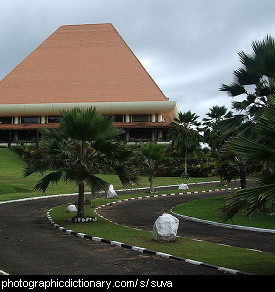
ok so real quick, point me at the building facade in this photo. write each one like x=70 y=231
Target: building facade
x=83 y=66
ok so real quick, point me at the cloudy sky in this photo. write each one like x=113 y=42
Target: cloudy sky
x=188 y=47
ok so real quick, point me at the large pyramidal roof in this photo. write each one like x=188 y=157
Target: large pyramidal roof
x=80 y=63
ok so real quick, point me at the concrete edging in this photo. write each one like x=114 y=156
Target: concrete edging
x=144 y=250
x=141 y=249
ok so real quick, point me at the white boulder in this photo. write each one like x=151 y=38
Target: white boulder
x=183 y=187
x=71 y=208
x=111 y=192
x=166 y=227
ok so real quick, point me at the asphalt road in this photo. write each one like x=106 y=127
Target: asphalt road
x=147 y=210
x=31 y=246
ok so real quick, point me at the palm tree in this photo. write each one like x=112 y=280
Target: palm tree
x=255 y=79
x=261 y=149
x=80 y=148
x=258 y=70
x=184 y=134
x=220 y=127
x=212 y=134
x=150 y=157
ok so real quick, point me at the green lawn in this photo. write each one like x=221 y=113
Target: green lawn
x=207 y=209
x=14 y=186
x=230 y=257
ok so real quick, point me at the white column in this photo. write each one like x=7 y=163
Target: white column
x=160 y=118
x=153 y=118
x=16 y=120
x=127 y=118
x=43 y=120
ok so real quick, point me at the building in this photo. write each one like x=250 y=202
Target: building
x=83 y=65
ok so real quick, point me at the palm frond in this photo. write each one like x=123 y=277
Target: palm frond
x=245 y=77
x=127 y=175
x=41 y=168
x=234 y=89
x=252 y=149
x=53 y=177
x=247 y=201
x=97 y=184
x=264 y=54
x=87 y=125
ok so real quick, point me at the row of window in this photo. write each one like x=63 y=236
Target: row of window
x=132 y=118
x=30 y=120
x=57 y=119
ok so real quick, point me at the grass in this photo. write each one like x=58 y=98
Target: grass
x=14 y=186
x=230 y=257
x=207 y=209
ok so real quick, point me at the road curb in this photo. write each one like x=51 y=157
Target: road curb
x=141 y=249
x=231 y=226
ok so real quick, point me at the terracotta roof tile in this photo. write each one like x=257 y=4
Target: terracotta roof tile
x=80 y=63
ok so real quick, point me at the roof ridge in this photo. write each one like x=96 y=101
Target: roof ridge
x=82 y=24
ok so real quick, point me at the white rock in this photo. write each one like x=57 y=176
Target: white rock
x=165 y=227
x=71 y=208
x=111 y=192
x=183 y=187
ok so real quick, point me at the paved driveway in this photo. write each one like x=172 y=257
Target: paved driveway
x=31 y=246
x=147 y=210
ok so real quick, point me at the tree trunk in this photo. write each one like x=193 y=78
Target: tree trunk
x=243 y=179
x=185 y=162
x=81 y=187
x=81 y=199
x=151 y=184
x=272 y=209
x=221 y=180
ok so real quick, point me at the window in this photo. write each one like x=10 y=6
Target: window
x=117 y=118
x=54 y=119
x=140 y=118
x=31 y=120
x=6 y=120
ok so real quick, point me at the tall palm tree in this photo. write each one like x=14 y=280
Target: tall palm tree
x=212 y=134
x=261 y=149
x=258 y=70
x=219 y=127
x=184 y=134
x=255 y=80
x=215 y=115
x=80 y=148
